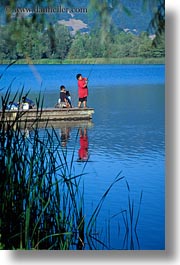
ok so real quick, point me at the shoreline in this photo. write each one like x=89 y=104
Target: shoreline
x=136 y=60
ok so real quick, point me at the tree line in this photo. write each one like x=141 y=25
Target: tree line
x=22 y=39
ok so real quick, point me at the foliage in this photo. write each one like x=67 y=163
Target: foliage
x=22 y=40
x=36 y=43
x=34 y=37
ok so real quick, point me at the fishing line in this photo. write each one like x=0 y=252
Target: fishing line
x=92 y=68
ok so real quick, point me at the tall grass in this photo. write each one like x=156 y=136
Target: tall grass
x=41 y=205
x=41 y=196
x=125 y=225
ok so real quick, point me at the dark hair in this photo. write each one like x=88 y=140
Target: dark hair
x=61 y=87
x=78 y=75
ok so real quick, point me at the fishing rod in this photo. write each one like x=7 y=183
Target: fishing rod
x=91 y=68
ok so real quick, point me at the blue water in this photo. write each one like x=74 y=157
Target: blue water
x=38 y=77
x=127 y=136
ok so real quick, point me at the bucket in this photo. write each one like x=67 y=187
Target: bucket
x=25 y=106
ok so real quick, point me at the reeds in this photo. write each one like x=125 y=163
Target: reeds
x=41 y=205
x=41 y=196
x=125 y=225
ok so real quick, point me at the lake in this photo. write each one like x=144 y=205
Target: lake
x=126 y=137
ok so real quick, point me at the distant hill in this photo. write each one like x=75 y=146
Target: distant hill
x=137 y=20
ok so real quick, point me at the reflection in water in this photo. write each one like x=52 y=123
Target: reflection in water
x=65 y=135
x=83 y=150
x=83 y=154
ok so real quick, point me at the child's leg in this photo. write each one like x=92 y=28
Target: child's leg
x=79 y=104
x=85 y=104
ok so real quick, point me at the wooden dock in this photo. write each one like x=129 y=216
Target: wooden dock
x=48 y=114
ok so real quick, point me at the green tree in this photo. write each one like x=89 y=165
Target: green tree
x=8 y=44
x=63 y=41
x=28 y=39
x=93 y=44
x=77 y=49
x=122 y=45
x=158 y=50
x=145 y=46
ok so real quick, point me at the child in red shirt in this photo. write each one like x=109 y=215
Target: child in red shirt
x=82 y=90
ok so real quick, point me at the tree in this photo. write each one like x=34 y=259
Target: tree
x=77 y=49
x=63 y=41
x=145 y=46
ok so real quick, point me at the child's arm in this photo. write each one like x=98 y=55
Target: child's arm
x=85 y=81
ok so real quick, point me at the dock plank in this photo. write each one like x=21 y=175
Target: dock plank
x=51 y=114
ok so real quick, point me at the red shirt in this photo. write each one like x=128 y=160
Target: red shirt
x=83 y=150
x=82 y=91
